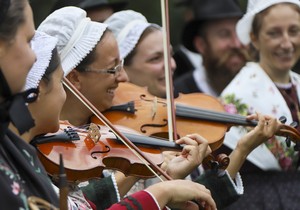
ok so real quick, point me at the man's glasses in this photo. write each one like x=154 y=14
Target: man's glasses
x=115 y=70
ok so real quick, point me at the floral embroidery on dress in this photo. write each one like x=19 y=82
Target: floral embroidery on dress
x=286 y=156
x=271 y=89
x=233 y=105
x=15 y=183
x=32 y=162
x=15 y=188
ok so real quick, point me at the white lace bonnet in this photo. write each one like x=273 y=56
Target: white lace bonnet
x=42 y=45
x=127 y=26
x=77 y=35
x=244 y=25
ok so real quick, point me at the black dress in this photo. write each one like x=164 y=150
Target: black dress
x=22 y=175
x=267 y=190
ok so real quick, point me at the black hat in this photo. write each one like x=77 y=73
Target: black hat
x=183 y=3
x=92 y=4
x=64 y=3
x=205 y=10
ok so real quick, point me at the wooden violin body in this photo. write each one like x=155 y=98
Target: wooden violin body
x=86 y=157
x=148 y=114
x=199 y=113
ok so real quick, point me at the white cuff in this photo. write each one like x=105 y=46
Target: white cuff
x=116 y=186
x=237 y=184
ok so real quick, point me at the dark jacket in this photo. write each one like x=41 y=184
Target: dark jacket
x=186 y=84
x=22 y=174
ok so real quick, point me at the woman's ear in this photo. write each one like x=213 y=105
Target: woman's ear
x=43 y=87
x=3 y=48
x=73 y=77
x=254 y=41
x=199 y=44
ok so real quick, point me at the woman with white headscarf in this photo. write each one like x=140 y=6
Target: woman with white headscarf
x=22 y=175
x=272 y=28
x=141 y=47
x=90 y=60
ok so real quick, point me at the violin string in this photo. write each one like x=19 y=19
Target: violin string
x=142 y=159
x=193 y=112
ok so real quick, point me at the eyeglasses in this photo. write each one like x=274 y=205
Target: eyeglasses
x=115 y=70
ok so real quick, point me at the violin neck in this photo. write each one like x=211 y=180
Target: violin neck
x=140 y=140
x=212 y=116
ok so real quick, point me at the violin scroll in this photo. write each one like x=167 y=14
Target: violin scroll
x=290 y=132
x=221 y=161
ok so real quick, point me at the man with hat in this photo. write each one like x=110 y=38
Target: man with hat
x=100 y=10
x=212 y=34
x=186 y=60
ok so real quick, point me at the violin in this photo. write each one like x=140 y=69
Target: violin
x=199 y=113
x=91 y=148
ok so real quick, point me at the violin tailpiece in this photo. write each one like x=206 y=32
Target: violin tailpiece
x=68 y=134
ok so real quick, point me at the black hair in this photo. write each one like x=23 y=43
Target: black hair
x=13 y=18
x=91 y=57
x=54 y=63
x=31 y=95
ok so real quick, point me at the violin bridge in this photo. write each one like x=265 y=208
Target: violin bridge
x=154 y=108
x=94 y=132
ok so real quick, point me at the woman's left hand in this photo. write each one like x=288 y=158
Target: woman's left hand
x=266 y=128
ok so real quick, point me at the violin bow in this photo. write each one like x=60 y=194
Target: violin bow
x=168 y=72
x=63 y=185
x=153 y=168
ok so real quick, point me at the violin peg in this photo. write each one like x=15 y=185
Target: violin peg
x=282 y=119
x=214 y=165
x=297 y=147
x=294 y=124
x=223 y=161
x=288 y=141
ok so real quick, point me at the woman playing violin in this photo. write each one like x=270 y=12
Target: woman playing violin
x=272 y=29
x=47 y=75
x=97 y=70
x=108 y=42
x=143 y=61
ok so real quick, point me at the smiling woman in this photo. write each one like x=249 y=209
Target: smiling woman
x=21 y=173
x=272 y=28
x=89 y=45
x=141 y=47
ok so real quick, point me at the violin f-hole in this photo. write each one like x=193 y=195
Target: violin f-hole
x=143 y=128
x=93 y=154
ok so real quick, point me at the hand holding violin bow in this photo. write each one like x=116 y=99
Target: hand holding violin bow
x=180 y=164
